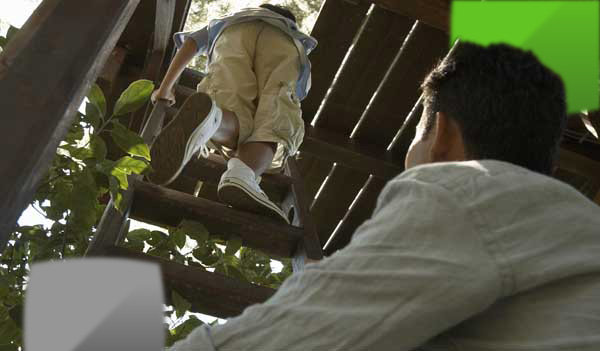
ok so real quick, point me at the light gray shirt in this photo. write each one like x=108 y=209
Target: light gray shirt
x=477 y=256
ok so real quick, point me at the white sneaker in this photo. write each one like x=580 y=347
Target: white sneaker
x=193 y=126
x=239 y=188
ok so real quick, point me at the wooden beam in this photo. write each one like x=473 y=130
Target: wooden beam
x=576 y=163
x=163 y=206
x=332 y=147
x=44 y=76
x=435 y=13
x=209 y=293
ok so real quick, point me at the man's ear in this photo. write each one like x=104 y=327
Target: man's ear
x=447 y=143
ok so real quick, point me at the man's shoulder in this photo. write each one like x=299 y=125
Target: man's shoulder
x=483 y=175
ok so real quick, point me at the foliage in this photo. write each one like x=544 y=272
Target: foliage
x=73 y=195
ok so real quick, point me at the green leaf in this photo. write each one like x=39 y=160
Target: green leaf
x=178 y=238
x=140 y=234
x=96 y=97
x=79 y=153
x=121 y=177
x=187 y=327
x=129 y=141
x=233 y=245
x=130 y=165
x=3 y=42
x=115 y=192
x=234 y=272
x=134 y=97
x=194 y=230
x=180 y=304
x=11 y=33
x=98 y=148
x=92 y=115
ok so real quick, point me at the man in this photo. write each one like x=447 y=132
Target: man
x=248 y=104
x=473 y=247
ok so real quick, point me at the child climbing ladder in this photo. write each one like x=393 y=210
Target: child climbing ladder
x=248 y=105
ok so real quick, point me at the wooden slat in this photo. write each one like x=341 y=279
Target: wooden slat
x=362 y=157
x=209 y=293
x=310 y=246
x=336 y=26
x=379 y=40
x=400 y=90
x=435 y=13
x=580 y=164
x=405 y=135
x=360 y=212
x=74 y=38
x=155 y=204
x=313 y=171
x=333 y=202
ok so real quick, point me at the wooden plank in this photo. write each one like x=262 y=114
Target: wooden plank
x=333 y=202
x=399 y=91
x=309 y=246
x=75 y=38
x=337 y=24
x=579 y=164
x=163 y=25
x=313 y=172
x=209 y=293
x=359 y=156
x=435 y=13
x=163 y=206
x=378 y=42
x=360 y=211
x=406 y=134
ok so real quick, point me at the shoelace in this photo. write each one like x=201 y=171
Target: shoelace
x=204 y=151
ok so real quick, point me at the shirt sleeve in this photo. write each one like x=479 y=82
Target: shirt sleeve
x=199 y=36
x=415 y=269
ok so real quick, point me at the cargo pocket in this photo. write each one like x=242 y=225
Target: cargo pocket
x=289 y=125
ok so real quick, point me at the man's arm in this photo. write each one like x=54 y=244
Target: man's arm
x=418 y=267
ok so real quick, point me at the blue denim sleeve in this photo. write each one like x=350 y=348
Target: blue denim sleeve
x=199 y=36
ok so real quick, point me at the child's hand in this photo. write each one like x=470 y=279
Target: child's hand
x=161 y=94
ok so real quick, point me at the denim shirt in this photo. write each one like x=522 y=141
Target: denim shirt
x=457 y=256
x=206 y=38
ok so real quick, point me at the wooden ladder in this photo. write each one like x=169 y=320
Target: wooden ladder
x=210 y=293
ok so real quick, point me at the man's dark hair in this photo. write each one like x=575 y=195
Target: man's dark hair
x=284 y=11
x=508 y=106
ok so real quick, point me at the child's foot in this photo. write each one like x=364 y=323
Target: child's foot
x=239 y=188
x=193 y=126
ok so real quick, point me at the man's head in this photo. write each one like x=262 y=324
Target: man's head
x=284 y=11
x=496 y=102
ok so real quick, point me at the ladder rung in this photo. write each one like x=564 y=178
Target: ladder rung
x=163 y=206
x=209 y=293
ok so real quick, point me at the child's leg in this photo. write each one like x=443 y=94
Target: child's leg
x=277 y=120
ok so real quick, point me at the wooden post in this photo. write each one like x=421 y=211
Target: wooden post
x=44 y=75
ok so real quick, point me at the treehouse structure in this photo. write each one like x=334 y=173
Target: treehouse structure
x=360 y=118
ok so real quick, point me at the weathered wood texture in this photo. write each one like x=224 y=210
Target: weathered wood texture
x=74 y=38
x=361 y=210
x=162 y=206
x=359 y=156
x=399 y=90
x=378 y=41
x=209 y=293
x=310 y=245
x=435 y=13
x=335 y=37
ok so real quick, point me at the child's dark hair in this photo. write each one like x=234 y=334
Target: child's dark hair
x=284 y=11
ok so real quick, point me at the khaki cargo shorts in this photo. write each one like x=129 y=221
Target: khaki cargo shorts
x=253 y=72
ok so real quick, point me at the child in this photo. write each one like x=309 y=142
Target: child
x=248 y=104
